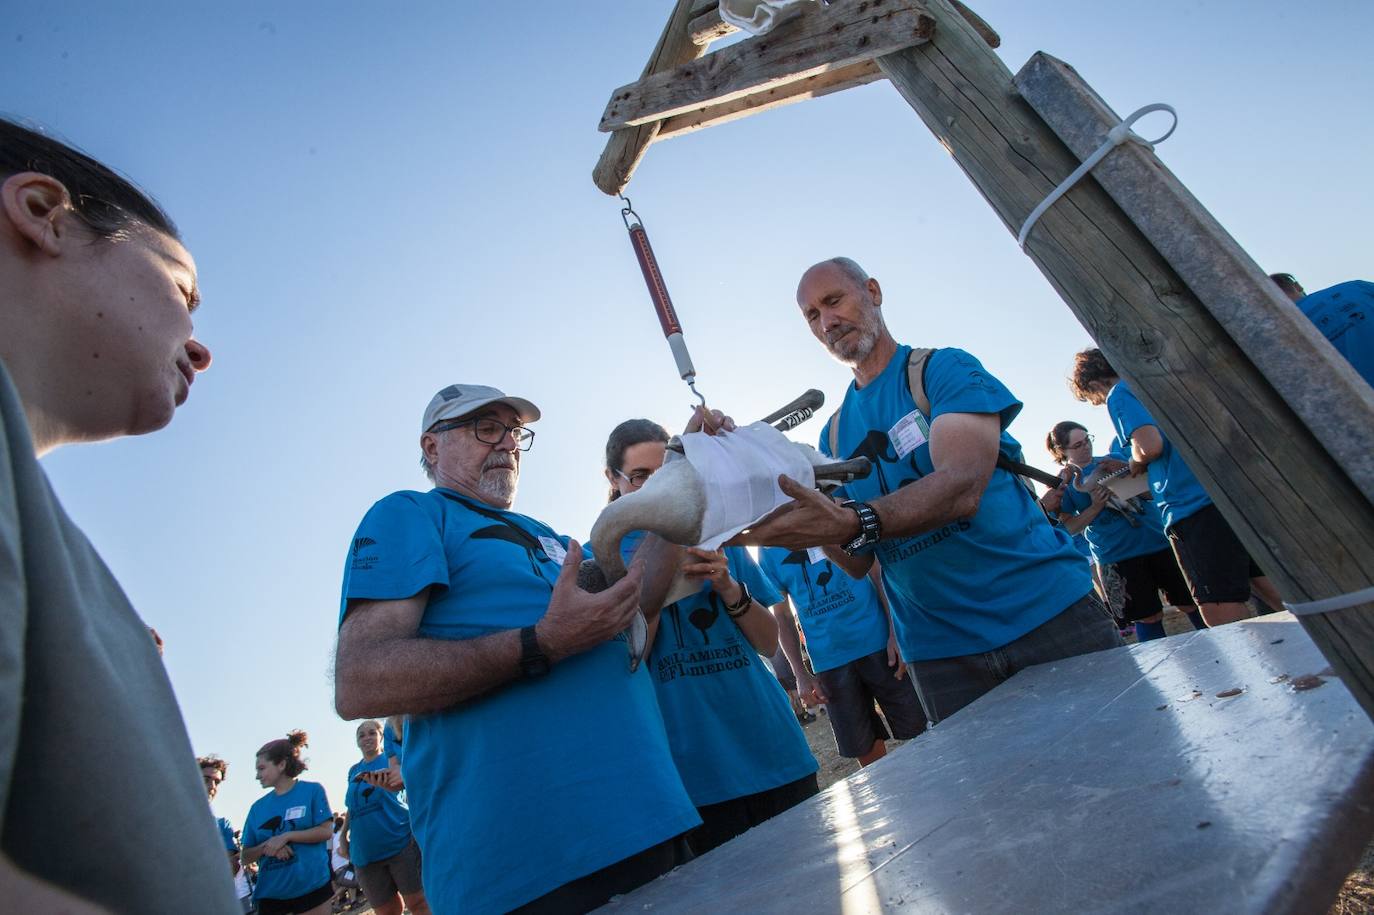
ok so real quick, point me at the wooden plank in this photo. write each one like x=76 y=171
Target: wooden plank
x=1006 y=807
x=1327 y=394
x=626 y=147
x=707 y=26
x=812 y=87
x=1293 y=505
x=1330 y=397
x=844 y=33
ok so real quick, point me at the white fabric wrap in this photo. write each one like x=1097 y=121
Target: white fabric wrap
x=759 y=17
x=739 y=471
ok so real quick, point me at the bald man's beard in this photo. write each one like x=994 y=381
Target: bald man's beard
x=853 y=347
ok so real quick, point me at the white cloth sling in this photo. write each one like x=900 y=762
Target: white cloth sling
x=739 y=471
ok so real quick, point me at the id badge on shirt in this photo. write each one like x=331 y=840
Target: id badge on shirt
x=815 y=554
x=909 y=433
x=553 y=549
x=294 y=813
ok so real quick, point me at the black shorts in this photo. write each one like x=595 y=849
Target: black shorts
x=1213 y=559
x=382 y=880
x=597 y=888
x=1145 y=576
x=850 y=691
x=722 y=822
x=299 y=904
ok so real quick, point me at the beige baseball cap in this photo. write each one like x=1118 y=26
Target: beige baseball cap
x=460 y=399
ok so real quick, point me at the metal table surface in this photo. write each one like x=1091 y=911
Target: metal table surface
x=1122 y=781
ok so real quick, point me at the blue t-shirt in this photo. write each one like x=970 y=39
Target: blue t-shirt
x=1080 y=543
x=1177 y=493
x=976 y=583
x=1344 y=313
x=226 y=834
x=841 y=616
x=518 y=791
x=378 y=823
x=1110 y=535
x=729 y=722
x=303 y=807
x=392 y=743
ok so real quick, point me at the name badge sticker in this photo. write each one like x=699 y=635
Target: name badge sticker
x=553 y=549
x=815 y=554
x=909 y=433
x=294 y=813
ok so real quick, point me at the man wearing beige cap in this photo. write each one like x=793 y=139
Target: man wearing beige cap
x=536 y=763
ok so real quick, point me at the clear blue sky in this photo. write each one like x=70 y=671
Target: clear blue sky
x=384 y=200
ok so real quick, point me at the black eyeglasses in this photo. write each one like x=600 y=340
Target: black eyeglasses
x=491 y=431
x=637 y=478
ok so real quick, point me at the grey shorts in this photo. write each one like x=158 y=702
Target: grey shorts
x=851 y=689
x=382 y=880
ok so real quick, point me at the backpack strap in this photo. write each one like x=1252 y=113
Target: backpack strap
x=916 y=377
x=834 y=430
x=916 y=380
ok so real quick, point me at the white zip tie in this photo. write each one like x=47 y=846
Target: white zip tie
x=1117 y=135
x=1326 y=605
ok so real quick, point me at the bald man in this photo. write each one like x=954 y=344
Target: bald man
x=981 y=584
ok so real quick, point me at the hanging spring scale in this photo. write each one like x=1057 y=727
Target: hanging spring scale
x=658 y=292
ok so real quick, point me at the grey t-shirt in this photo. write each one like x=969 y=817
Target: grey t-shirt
x=99 y=790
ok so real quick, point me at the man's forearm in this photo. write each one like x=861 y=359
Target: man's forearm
x=379 y=677
x=932 y=501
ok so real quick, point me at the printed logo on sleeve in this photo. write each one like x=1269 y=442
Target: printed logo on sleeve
x=909 y=433
x=363 y=563
x=553 y=549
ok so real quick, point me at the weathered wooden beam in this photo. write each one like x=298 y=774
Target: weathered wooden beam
x=844 y=33
x=1330 y=397
x=980 y=25
x=626 y=147
x=859 y=74
x=1293 y=505
x=706 y=25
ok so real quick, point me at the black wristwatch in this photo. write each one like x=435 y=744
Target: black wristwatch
x=741 y=606
x=870 y=528
x=533 y=662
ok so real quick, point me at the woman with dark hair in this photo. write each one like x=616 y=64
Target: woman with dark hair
x=376 y=834
x=738 y=747
x=96 y=295
x=1137 y=556
x=288 y=831
x=1221 y=575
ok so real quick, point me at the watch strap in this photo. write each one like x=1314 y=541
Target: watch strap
x=870 y=527
x=533 y=661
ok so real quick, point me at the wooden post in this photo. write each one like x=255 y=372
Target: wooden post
x=626 y=147
x=1296 y=508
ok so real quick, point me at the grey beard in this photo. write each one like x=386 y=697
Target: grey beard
x=858 y=351
x=499 y=487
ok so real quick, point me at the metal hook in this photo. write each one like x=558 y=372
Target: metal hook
x=627 y=211
x=693 y=385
